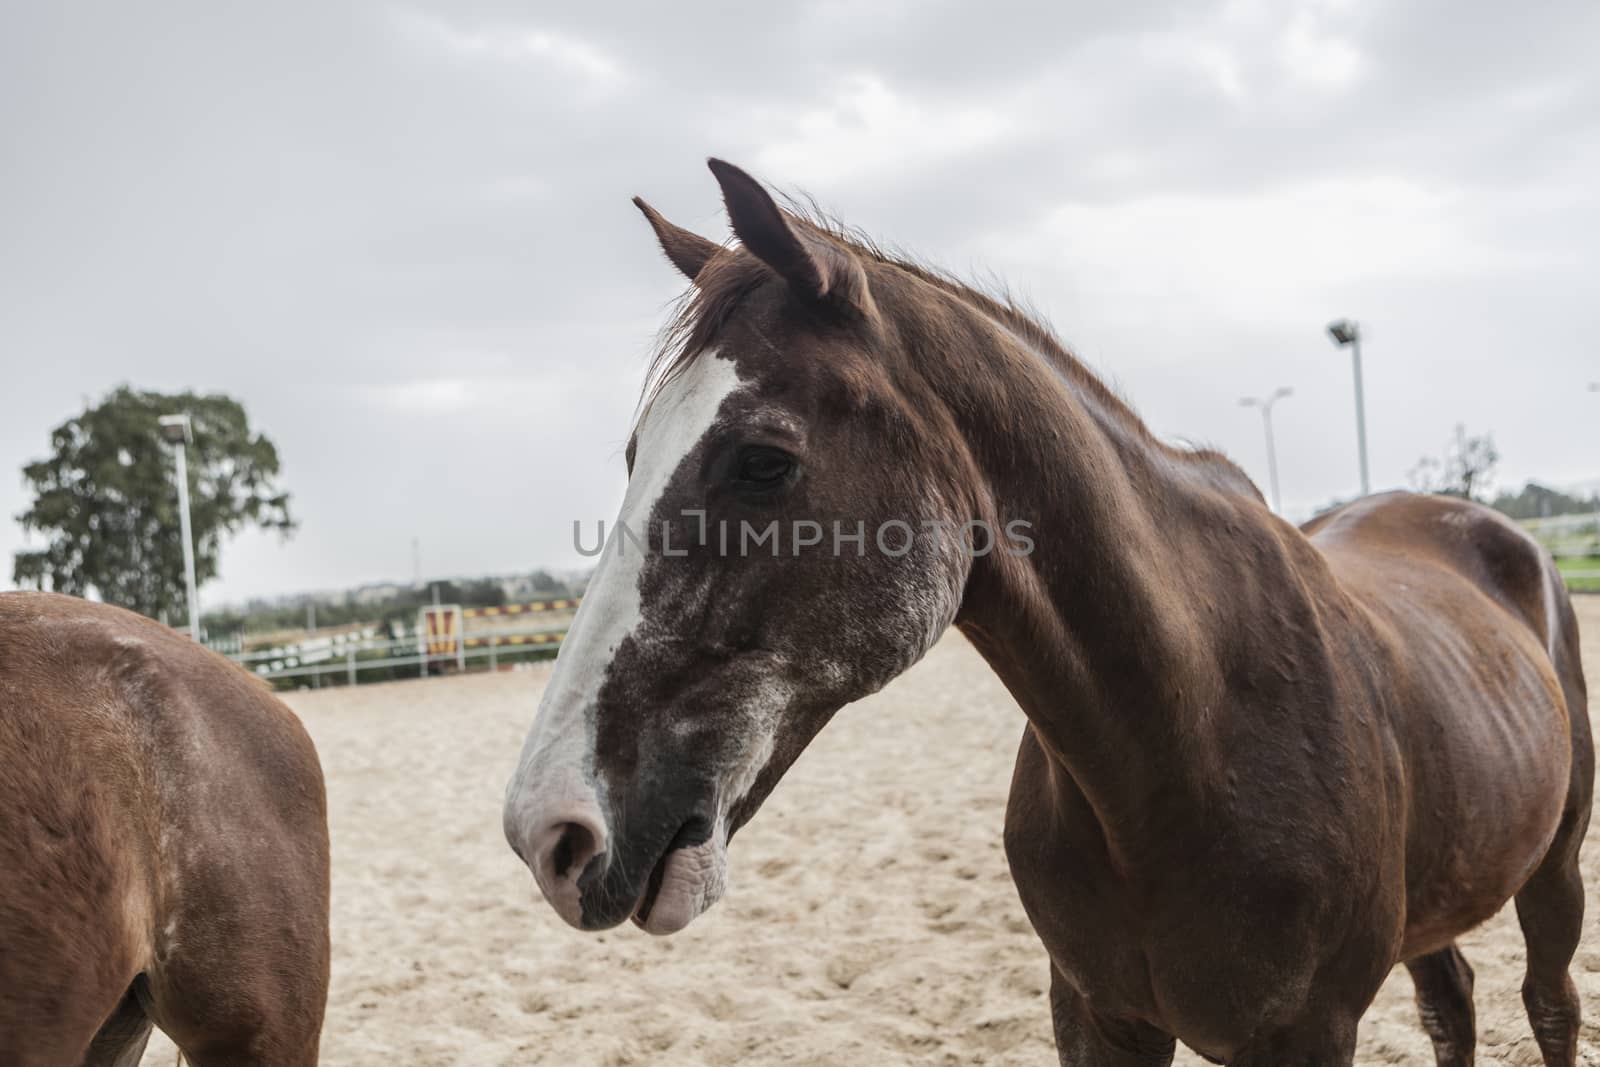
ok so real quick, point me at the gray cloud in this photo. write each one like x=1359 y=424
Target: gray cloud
x=401 y=232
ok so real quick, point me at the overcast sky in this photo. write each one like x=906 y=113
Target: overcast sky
x=400 y=232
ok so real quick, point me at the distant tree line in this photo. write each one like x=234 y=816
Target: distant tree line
x=1535 y=501
x=1466 y=469
x=345 y=608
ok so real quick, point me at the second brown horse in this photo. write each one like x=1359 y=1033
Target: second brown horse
x=163 y=849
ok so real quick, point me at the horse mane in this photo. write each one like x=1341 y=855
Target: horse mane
x=731 y=275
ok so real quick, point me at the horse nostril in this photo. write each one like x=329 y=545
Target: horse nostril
x=574 y=849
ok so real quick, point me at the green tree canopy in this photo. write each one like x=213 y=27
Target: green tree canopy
x=107 y=506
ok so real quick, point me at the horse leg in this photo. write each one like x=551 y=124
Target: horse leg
x=53 y=995
x=258 y=1004
x=262 y=1029
x=1443 y=981
x=1550 y=909
x=121 y=1039
x=1327 y=1041
x=1084 y=1039
x=269 y=1042
x=1550 y=905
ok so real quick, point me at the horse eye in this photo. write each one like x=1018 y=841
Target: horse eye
x=764 y=468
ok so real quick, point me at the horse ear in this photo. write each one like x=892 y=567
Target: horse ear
x=815 y=267
x=689 y=252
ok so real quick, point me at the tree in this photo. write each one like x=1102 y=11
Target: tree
x=1537 y=501
x=107 y=505
x=1466 y=469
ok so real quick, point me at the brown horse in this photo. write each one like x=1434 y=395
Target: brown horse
x=1263 y=764
x=163 y=849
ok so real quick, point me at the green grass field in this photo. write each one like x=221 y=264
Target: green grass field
x=1576 y=564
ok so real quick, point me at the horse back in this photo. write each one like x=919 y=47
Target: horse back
x=160 y=802
x=1473 y=663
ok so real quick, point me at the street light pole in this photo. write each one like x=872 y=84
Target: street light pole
x=1348 y=333
x=1266 y=424
x=176 y=430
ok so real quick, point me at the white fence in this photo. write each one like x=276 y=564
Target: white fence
x=348 y=655
x=1567 y=535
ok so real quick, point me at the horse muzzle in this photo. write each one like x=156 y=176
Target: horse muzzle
x=563 y=839
x=662 y=878
x=661 y=872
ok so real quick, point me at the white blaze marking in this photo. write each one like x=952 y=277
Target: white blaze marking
x=556 y=773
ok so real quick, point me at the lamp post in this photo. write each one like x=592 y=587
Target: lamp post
x=176 y=431
x=1594 y=387
x=1346 y=333
x=1265 y=404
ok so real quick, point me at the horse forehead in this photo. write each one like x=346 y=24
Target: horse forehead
x=675 y=420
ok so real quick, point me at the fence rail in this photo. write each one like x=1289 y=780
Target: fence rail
x=352 y=658
x=1567 y=535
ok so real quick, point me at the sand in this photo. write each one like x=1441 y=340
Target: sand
x=870 y=918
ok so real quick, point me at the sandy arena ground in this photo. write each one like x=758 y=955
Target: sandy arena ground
x=870 y=918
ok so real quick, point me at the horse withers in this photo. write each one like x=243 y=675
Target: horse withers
x=163 y=849
x=1262 y=766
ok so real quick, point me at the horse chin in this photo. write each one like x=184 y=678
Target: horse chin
x=685 y=883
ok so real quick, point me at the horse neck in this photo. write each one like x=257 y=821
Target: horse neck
x=1110 y=633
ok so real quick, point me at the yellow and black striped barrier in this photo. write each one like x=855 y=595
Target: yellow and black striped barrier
x=522 y=609
x=516 y=639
